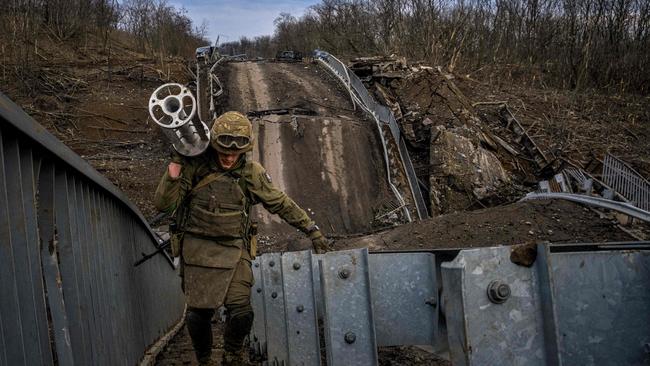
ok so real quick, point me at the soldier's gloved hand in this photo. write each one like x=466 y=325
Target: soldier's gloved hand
x=319 y=242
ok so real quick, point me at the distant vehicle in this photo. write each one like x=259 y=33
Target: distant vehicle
x=204 y=52
x=290 y=56
x=207 y=54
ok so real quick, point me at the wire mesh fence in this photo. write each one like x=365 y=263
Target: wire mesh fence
x=626 y=181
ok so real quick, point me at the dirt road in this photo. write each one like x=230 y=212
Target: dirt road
x=330 y=163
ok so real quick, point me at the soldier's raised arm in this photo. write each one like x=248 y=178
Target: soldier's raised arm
x=277 y=202
x=174 y=185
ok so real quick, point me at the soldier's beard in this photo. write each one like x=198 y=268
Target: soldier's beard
x=228 y=161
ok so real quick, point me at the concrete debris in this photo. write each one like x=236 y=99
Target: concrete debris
x=468 y=158
x=464 y=170
x=474 y=154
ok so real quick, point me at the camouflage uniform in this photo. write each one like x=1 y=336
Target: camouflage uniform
x=215 y=242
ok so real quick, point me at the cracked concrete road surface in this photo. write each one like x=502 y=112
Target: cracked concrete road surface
x=331 y=163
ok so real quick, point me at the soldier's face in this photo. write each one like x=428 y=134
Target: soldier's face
x=227 y=161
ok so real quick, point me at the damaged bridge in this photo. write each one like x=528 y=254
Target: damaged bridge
x=70 y=294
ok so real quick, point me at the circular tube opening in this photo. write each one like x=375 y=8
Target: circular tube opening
x=172 y=105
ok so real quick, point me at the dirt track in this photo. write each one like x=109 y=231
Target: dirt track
x=330 y=163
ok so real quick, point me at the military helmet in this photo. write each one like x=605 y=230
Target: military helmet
x=232 y=133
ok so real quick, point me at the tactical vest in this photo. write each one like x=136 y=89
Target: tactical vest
x=218 y=208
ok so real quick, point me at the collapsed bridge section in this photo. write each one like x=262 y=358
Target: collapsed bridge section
x=318 y=147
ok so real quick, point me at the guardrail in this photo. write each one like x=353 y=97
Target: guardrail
x=382 y=115
x=69 y=293
x=550 y=304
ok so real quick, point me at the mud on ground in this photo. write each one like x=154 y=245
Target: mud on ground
x=518 y=223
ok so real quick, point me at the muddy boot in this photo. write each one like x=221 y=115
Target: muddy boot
x=237 y=328
x=200 y=329
x=206 y=361
x=233 y=359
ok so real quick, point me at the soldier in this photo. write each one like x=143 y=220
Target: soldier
x=211 y=196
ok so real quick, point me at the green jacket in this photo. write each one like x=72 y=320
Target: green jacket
x=208 y=269
x=172 y=192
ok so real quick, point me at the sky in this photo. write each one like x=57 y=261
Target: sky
x=231 y=19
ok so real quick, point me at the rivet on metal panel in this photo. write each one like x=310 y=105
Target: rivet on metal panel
x=271 y=263
x=257 y=265
x=274 y=294
x=350 y=337
x=296 y=266
x=432 y=302
x=344 y=273
x=259 y=290
x=300 y=308
x=498 y=292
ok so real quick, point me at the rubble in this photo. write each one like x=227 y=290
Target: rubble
x=464 y=170
x=476 y=154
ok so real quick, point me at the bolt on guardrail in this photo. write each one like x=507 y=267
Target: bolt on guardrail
x=474 y=306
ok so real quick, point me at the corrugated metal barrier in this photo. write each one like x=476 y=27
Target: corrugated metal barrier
x=69 y=293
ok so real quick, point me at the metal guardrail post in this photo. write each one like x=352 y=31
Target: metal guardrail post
x=277 y=349
x=476 y=327
x=349 y=323
x=300 y=309
x=257 y=337
x=574 y=306
x=285 y=329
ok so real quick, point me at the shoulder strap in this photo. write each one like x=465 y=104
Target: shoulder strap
x=243 y=186
x=216 y=175
x=207 y=180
